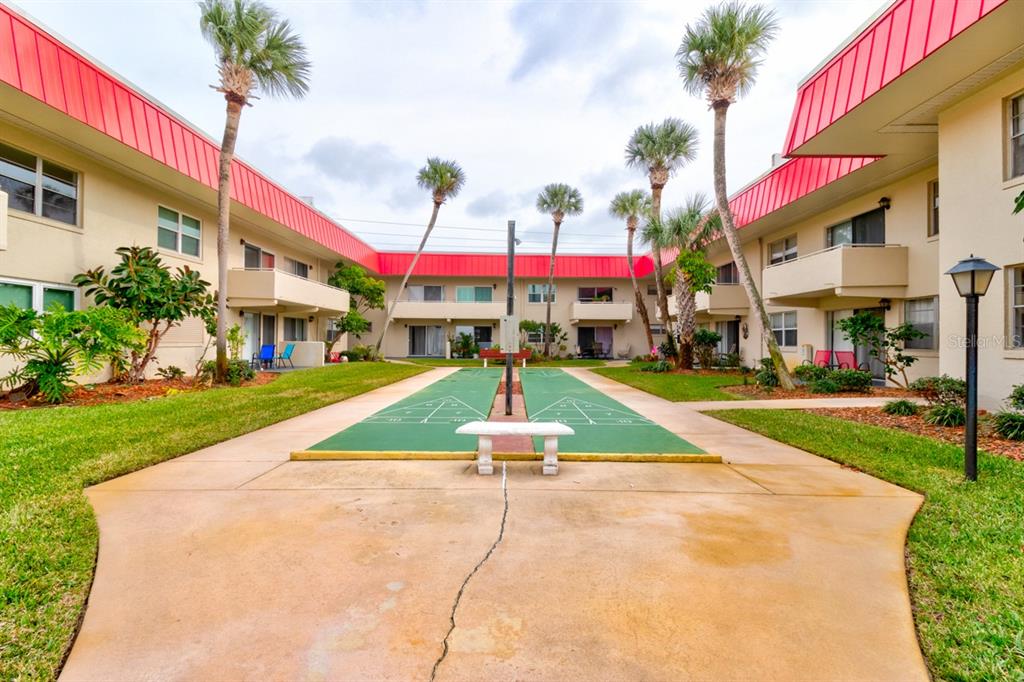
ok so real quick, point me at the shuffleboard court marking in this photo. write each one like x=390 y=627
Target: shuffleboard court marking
x=455 y=412
x=575 y=411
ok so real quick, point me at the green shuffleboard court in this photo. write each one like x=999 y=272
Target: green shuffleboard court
x=601 y=423
x=426 y=420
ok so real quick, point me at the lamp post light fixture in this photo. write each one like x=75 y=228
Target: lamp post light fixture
x=972 y=276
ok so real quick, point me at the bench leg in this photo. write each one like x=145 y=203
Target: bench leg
x=484 y=464
x=550 y=455
x=485 y=363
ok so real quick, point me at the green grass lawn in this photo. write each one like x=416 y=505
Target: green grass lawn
x=965 y=547
x=49 y=534
x=458 y=362
x=675 y=387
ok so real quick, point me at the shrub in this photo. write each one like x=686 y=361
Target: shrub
x=1016 y=398
x=808 y=373
x=705 y=341
x=851 y=380
x=766 y=376
x=942 y=390
x=171 y=373
x=730 y=360
x=659 y=366
x=900 y=408
x=238 y=371
x=52 y=347
x=364 y=352
x=946 y=414
x=1009 y=425
x=351 y=355
x=236 y=337
x=824 y=385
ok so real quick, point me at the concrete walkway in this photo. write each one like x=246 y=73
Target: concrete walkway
x=234 y=563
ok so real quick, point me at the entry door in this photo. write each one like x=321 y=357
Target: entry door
x=269 y=331
x=730 y=333
x=251 y=326
x=426 y=341
x=585 y=338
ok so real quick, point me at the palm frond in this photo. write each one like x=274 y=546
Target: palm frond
x=691 y=226
x=666 y=146
x=558 y=197
x=443 y=178
x=634 y=204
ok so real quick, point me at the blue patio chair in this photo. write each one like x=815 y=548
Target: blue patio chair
x=286 y=356
x=265 y=358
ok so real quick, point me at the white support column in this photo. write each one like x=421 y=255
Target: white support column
x=550 y=455
x=484 y=463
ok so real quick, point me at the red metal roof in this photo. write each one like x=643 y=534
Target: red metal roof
x=894 y=43
x=529 y=265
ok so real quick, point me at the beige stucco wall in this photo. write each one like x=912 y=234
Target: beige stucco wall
x=976 y=216
x=118 y=208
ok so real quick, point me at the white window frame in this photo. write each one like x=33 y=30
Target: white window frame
x=788 y=253
x=535 y=337
x=541 y=292
x=652 y=289
x=284 y=327
x=934 y=219
x=38 y=289
x=1014 y=340
x=423 y=292
x=933 y=338
x=37 y=200
x=777 y=322
x=291 y=263
x=657 y=329
x=473 y=287
x=1010 y=136
x=177 y=250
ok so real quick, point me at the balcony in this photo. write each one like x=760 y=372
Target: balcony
x=283 y=292
x=868 y=271
x=727 y=300
x=603 y=311
x=449 y=310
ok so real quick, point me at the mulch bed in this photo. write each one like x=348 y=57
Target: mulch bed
x=916 y=424
x=755 y=392
x=517 y=388
x=99 y=394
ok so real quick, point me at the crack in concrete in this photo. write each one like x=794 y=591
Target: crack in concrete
x=462 y=589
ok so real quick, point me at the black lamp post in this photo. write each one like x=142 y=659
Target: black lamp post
x=972 y=277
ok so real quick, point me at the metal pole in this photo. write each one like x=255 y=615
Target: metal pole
x=971 y=427
x=509 y=310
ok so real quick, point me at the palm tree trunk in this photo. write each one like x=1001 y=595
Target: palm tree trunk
x=659 y=273
x=641 y=305
x=548 y=294
x=686 y=302
x=227 y=152
x=729 y=230
x=408 y=274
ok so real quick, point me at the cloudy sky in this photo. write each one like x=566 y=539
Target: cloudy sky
x=519 y=93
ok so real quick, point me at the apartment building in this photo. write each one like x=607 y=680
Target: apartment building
x=928 y=94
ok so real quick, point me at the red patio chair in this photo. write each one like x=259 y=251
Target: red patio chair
x=846 y=359
x=823 y=358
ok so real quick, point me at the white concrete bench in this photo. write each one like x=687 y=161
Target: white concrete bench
x=487 y=430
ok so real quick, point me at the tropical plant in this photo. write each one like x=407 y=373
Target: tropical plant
x=464 y=346
x=661 y=149
x=443 y=179
x=238 y=371
x=1009 y=425
x=885 y=344
x=808 y=372
x=171 y=373
x=767 y=376
x=1018 y=203
x=365 y=294
x=705 y=342
x=52 y=347
x=941 y=390
x=257 y=52
x=718 y=59
x=236 y=341
x=151 y=295
x=559 y=200
x=631 y=207
x=946 y=414
x=900 y=408
x=658 y=367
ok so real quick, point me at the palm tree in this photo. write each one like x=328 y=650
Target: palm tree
x=631 y=206
x=256 y=52
x=661 y=149
x=559 y=200
x=443 y=179
x=718 y=58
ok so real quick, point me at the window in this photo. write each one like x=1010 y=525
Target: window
x=258 y=259
x=535 y=337
x=866 y=228
x=1016 y=307
x=594 y=294
x=296 y=268
x=481 y=334
x=728 y=274
x=921 y=313
x=177 y=232
x=427 y=292
x=473 y=294
x=538 y=293
x=1015 y=157
x=782 y=250
x=933 y=208
x=784 y=327
x=294 y=329
x=37 y=295
x=657 y=330
x=652 y=289
x=37 y=186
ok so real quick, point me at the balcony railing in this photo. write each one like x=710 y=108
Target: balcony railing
x=851 y=270
x=611 y=311
x=264 y=288
x=449 y=310
x=724 y=299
